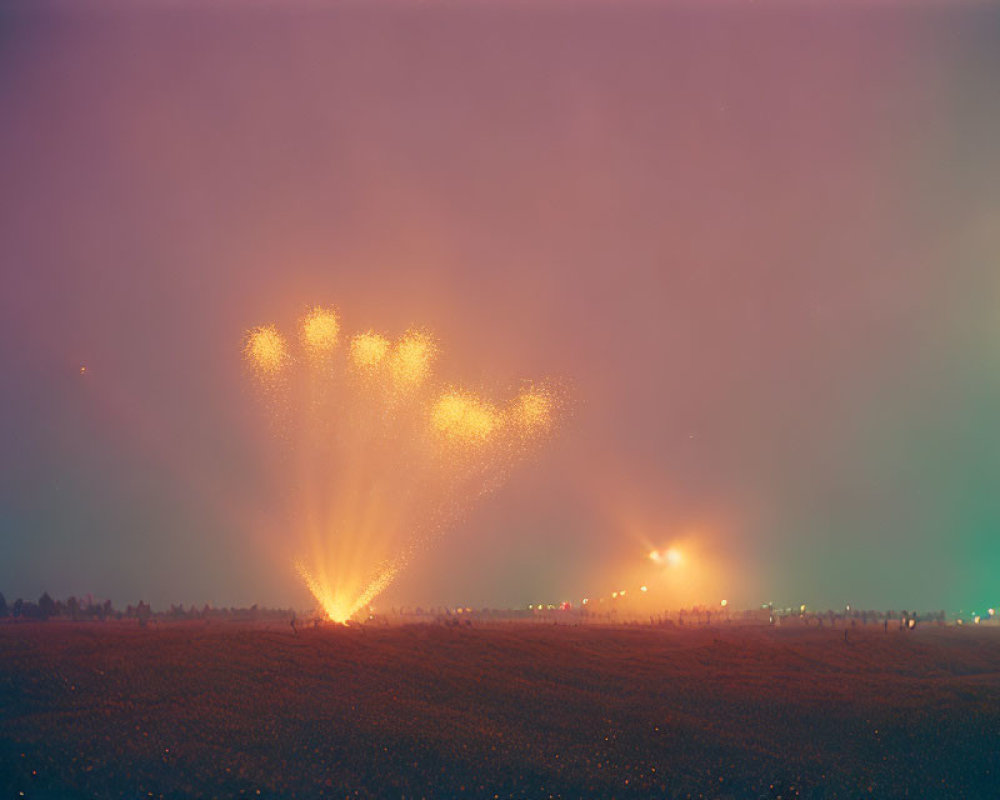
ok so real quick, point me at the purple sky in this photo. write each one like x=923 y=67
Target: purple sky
x=761 y=242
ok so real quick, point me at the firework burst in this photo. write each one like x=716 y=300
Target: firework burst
x=385 y=459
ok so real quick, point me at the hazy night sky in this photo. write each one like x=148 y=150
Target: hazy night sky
x=761 y=241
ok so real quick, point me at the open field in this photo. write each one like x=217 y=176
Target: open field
x=196 y=709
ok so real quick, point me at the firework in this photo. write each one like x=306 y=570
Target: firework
x=532 y=411
x=320 y=331
x=368 y=350
x=265 y=351
x=464 y=418
x=412 y=358
x=383 y=459
x=340 y=606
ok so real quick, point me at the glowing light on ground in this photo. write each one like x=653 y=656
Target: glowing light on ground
x=384 y=460
x=680 y=573
x=337 y=605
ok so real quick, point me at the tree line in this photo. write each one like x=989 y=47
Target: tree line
x=88 y=609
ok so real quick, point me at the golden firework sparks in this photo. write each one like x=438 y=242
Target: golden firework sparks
x=532 y=410
x=341 y=606
x=368 y=350
x=371 y=479
x=323 y=595
x=411 y=358
x=320 y=331
x=265 y=350
x=463 y=417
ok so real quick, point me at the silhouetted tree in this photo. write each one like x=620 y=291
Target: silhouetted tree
x=73 y=606
x=18 y=607
x=3 y=605
x=30 y=610
x=46 y=606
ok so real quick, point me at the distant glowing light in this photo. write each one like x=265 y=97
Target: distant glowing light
x=320 y=331
x=83 y=369
x=265 y=350
x=672 y=556
x=724 y=603
x=585 y=601
x=802 y=608
x=976 y=619
x=621 y=592
x=643 y=589
x=992 y=611
x=614 y=595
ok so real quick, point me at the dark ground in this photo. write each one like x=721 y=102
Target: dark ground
x=202 y=710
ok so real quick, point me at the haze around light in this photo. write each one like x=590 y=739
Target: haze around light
x=760 y=242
